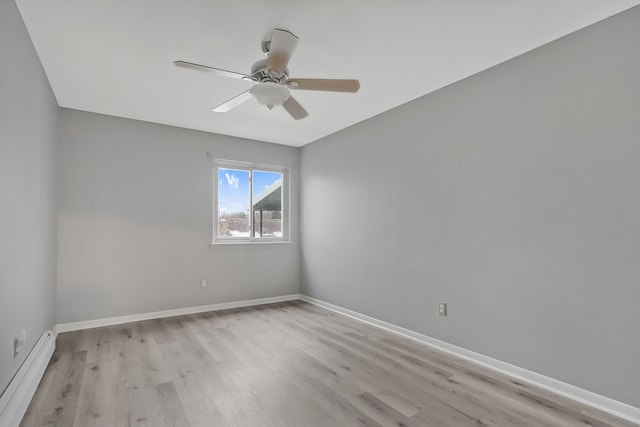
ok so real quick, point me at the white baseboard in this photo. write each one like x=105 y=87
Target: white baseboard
x=109 y=321
x=16 y=398
x=589 y=398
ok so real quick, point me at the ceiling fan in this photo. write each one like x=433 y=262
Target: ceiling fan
x=271 y=78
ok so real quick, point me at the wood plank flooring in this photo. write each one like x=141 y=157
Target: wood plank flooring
x=285 y=364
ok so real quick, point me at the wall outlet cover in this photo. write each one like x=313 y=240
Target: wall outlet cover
x=19 y=340
x=442 y=309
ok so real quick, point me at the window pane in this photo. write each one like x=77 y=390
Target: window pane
x=267 y=204
x=233 y=203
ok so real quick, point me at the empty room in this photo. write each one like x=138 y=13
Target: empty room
x=273 y=213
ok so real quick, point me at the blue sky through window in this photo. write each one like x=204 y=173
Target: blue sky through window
x=233 y=188
x=233 y=191
x=262 y=180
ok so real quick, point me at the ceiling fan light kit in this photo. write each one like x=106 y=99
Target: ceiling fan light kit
x=270 y=94
x=271 y=78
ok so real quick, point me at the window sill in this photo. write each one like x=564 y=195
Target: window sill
x=251 y=243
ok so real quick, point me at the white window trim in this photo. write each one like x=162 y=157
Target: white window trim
x=286 y=204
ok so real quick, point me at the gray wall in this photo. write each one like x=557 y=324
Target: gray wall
x=513 y=196
x=135 y=220
x=28 y=116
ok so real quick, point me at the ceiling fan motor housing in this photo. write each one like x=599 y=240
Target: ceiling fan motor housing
x=260 y=73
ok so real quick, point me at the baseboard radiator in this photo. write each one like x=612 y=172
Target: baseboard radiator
x=16 y=398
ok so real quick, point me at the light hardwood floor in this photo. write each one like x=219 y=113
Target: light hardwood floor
x=286 y=364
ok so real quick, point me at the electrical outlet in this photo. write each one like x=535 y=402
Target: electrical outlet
x=442 y=309
x=18 y=341
x=203 y=283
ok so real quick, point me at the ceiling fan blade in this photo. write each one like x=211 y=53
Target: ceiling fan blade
x=333 y=85
x=233 y=102
x=218 y=71
x=283 y=43
x=294 y=108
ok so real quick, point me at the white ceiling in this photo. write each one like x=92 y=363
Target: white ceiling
x=115 y=57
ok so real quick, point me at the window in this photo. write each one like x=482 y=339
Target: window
x=250 y=203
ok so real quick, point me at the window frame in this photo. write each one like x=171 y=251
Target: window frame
x=251 y=168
